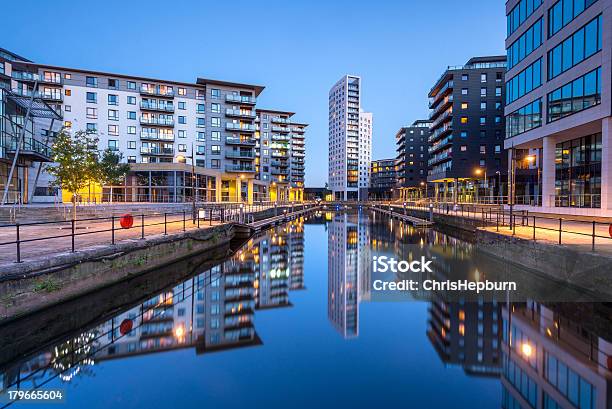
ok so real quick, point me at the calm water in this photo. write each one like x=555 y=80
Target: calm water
x=291 y=321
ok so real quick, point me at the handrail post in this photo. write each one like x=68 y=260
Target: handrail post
x=183 y=220
x=112 y=229
x=18 y=243
x=534 y=228
x=593 y=237
x=165 y=224
x=73 y=222
x=560 y=227
x=142 y=226
x=497 y=228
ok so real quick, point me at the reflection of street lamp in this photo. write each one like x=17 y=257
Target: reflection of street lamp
x=526 y=349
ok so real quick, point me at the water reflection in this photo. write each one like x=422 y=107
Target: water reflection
x=530 y=354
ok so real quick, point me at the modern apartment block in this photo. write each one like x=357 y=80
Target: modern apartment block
x=350 y=141
x=281 y=154
x=383 y=179
x=466 y=159
x=558 y=104
x=166 y=130
x=412 y=156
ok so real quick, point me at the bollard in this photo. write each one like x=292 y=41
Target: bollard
x=165 y=224
x=534 y=228
x=183 y=220
x=73 y=227
x=142 y=226
x=18 y=244
x=593 y=237
x=560 y=227
x=113 y=230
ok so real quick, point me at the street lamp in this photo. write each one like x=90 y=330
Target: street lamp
x=499 y=192
x=478 y=173
x=423 y=184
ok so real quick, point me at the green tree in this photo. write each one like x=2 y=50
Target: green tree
x=111 y=171
x=75 y=156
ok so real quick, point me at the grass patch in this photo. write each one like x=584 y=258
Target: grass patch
x=46 y=285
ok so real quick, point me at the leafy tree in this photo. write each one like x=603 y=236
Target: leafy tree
x=75 y=156
x=110 y=170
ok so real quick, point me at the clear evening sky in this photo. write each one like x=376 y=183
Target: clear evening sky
x=296 y=49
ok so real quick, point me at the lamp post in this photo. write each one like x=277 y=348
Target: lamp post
x=478 y=173
x=499 y=193
x=423 y=184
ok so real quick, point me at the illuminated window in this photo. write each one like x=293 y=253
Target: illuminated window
x=464 y=105
x=464 y=120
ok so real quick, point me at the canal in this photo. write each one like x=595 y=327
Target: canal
x=291 y=320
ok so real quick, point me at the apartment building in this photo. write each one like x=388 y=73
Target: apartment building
x=182 y=140
x=383 y=179
x=466 y=159
x=412 y=156
x=281 y=154
x=558 y=106
x=350 y=141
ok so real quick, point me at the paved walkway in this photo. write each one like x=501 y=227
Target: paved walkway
x=575 y=233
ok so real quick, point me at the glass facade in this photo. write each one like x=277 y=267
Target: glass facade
x=578 y=95
x=520 y=13
x=578 y=172
x=576 y=48
x=524 y=82
x=528 y=42
x=524 y=119
x=563 y=12
x=165 y=186
x=520 y=380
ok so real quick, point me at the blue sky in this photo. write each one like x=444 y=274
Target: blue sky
x=297 y=49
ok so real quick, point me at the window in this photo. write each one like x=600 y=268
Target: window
x=131 y=159
x=92 y=113
x=464 y=120
x=497 y=119
x=215 y=122
x=576 y=48
x=91 y=81
x=483 y=92
x=498 y=91
x=483 y=106
x=201 y=108
x=131 y=130
x=131 y=85
x=92 y=97
x=464 y=105
x=181 y=134
x=482 y=163
x=215 y=150
x=131 y=114
x=113 y=84
x=483 y=77
x=181 y=105
x=131 y=100
x=215 y=93
x=131 y=145
x=464 y=77
x=483 y=149
x=482 y=133
x=463 y=134
x=520 y=13
x=182 y=147
x=215 y=108
x=498 y=105
x=563 y=12
x=182 y=91
x=464 y=91
x=112 y=145
x=201 y=137
x=67 y=108
x=580 y=94
x=113 y=115
x=91 y=127
x=527 y=43
x=524 y=82
x=68 y=92
x=497 y=148
x=463 y=148
x=113 y=130
x=200 y=122
x=200 y=150
x=215 y=136
x=483 y=120
x=215 y=163
x=182 y=119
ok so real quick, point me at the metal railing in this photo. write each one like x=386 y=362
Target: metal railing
x=73 y=233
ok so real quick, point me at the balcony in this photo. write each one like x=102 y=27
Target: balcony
x=156 y=121
x=298 y=148
x=240 y=113
x=297 y=173
x=278 y=171
x=440 y=132
x=52 y=96
x=298 y=167
x=446 y=116
x=282 y=129
x=441 y=144
x=298 y=154
x=148 y=106
x=442 y=157
x=280 y=154
x=279 y=120
x=284 y=138
x=230 y=126
x=155 y=136
x=230 y=154
x=30 y=149
x=279 y=163
x=448 y=101
x=156 y=151
x=157 y=91
x=239 y=168
x=233 y=140
x=241 y=99
x=297 y=129
x=446 y=89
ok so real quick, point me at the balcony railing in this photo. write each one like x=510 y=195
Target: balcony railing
x=240 y=154
x=156 y=121
x=277 y=171
x=156 y=136
x=240 y=113
x=232 y=140
x=156 y=151
x=241 y=99
x=160 y=92
x=52 y=96
x=239 y=168
x=283 y=129
x=29 y=145
x=148 y=106
x=279 y=120
x=299 y=154
x=230 y=126
x=276 y=137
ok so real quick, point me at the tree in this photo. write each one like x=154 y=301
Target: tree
x=110 y=169
x=75 y=156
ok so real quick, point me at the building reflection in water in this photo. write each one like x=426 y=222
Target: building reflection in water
x=212 y=311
